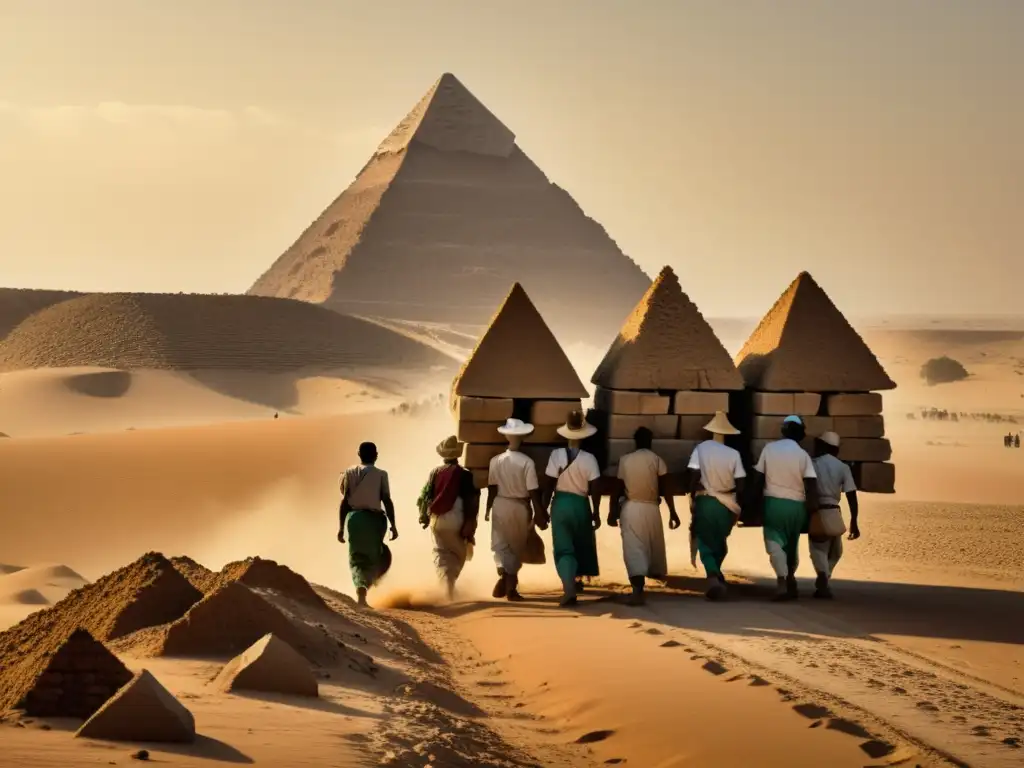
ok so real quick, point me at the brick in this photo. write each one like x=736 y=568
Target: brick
x=875 y=477
x=866 y=404
x=786 y=403
x=622 y=426
x=691 y=427
x=481 y=432
x=666 y=427
x=859 y=426
x=675 y=453
x=552 y=412
x=635 y=403
x=483 y=409
x=865 y=449
x=699 y=403
x=476 y=456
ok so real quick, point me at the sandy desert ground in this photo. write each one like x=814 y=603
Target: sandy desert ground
x=918 y=662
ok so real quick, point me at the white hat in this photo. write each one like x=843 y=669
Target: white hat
x=576 y=427
x=792 y=420
x=515 y=427
x=830 y=438
x=720 y=425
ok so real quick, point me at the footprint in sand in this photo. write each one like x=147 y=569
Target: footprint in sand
x=758 y=682
x=1012 y=741
x=927 y=706
x=615 y=761
x=812 y=711
x=900 y=691
x=594 y=736
x=634 y=625
x=670 y=644
x=491 y=683
x=714 y=668
x=980 y=730
x=876 y=749
x=654 y=631
x=734 y=678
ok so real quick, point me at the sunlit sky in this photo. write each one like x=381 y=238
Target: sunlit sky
x=182 y=145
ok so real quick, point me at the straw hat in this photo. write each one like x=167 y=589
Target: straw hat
x=515 y=427
x=720 y=425
x=576 y=427
x=449 y=448
x=830 y=438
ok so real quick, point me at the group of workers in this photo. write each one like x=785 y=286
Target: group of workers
x=1011 y=440
x=795 y=492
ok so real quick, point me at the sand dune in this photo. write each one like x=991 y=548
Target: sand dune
x=26 y=590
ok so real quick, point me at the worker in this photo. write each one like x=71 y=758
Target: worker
x=785 y=474
x=716 y=477
x=826 y=527
x=514 y=500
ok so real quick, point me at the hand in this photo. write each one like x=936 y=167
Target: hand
x=394 y=533
x=613 y=521
x=596 y=520
x=424 y=522
x=854 y=531
x=542 y=522
x=341 y=536
x=674 y=522
x=487 y=516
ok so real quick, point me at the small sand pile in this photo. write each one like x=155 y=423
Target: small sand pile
x=143 y=710
x=67 y=678
x=271 y=666
x=198 y=575
x=258 y=573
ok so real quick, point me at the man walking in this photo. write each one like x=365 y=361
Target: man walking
x=716 y=478
x=365 y=501
x=786 y=474
x=638 y=514
x=826 y=528
x=513 y=498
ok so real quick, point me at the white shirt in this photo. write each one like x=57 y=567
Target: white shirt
x=834 y=479
x=639 y=472
x=577 y=478
x=720 y=467
x=514 y=473
x=785 y=466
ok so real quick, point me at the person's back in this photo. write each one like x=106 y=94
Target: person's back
x=639 y=472
x=834 y=479
x=366 y=486
x=718 y=466
x=785 y=466
x=514 y=473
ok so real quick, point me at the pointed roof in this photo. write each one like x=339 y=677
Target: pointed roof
x=518 y=356
x=143 y=710
x=804 y=344
x=269 y=665
x=666 y=343
x=451 y=119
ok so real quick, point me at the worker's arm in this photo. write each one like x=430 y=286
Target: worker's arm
x=389 y=506
x=670 y=502
x=595 y=503
x=851 y=499
x=540 y=517
x=343 y=508
x=811 y=495
x=492 y=494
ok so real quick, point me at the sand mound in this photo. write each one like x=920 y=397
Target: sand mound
x=25 y=597
x=258 y=573
x=6 y=568
x=194 y=332
x=143 y=710
x=145 y=593
x=198 y=575
x=18 y=303
x=71 y=678
x=269 y=665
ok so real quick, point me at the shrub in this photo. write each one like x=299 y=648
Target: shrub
x=943 y=370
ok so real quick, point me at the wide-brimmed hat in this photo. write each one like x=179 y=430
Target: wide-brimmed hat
x=449 y=448
x=830 y=438
x=576 y=427
x=720 y=425
x=515 y=427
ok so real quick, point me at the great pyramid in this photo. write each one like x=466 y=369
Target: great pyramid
x=667 y=344
x=143 y=710
x=269 y=665
x=445 y=215
x=518 y=357
x=804 y=344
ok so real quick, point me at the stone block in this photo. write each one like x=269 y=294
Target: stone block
x=786 y=403
x=495 y=409
x=699 y=403
x=675 y=453
x=865 y=449
x=476 y=456
x=691 y=426
x=552 y=412
x=875 y=477
x=621 y=426
x=481 y=432
x=635 y=403
x=770 y=427
x=865 y=404
x=545 y=434
x=666 y=427
x=859 y=426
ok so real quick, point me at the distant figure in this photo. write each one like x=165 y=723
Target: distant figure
x=1016 y=440
x=575 y=506
x=638 y=514
x=449 y=504
x=826 y=529
x=716 y=478
x=275 y=415
x=513 y=496
x=786 y=473
x=365 y=500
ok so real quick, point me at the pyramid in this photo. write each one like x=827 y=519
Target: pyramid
x=143 y=710
x=61 y=679
x=667 y=344
x=258 y=573
x=804 y=344
x=269 y=665
x=518 y=357
x=445 y=215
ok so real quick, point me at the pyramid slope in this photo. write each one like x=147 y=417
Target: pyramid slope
x=518 y=356
x=269 y=665
x=434 y=232
x=68 y=676
x=805 y=344
x=666 y=343
x=143 y=711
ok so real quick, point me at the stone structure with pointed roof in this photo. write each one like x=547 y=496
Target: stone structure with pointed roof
x=446 y=213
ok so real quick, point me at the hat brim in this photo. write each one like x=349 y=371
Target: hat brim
x=718 y=430
x=526 y=429
x=453 y=453
x=577 y=434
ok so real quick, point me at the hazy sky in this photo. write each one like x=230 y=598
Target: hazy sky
x=184 y=144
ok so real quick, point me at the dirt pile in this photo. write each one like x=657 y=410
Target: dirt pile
x=451 y=204
x=18 y=303
x=198 y=575
x=143 y=710
x=271 y=666
x=258 y=573
x=196 y=332
x=70 y=677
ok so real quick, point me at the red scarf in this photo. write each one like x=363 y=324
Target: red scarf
x=446 y=488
